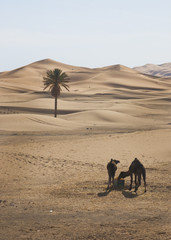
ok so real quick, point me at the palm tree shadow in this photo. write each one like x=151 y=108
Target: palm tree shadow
x=129 y=194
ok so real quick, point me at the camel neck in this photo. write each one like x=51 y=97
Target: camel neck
x=127 y=173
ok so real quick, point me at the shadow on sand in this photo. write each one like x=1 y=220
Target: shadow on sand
x=125 y=192
x=105 y=193
x=129 y=194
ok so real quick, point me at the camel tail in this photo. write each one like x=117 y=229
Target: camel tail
x=144 y=177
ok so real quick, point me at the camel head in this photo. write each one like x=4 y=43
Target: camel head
x=123 y=175
x=115 y=161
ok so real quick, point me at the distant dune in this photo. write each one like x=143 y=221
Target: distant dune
x=112 y=97
x=163 y=70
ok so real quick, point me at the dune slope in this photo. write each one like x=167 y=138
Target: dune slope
x=108 y=89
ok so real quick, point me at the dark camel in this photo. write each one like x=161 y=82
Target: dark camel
x=137 y=169
x=111 y=167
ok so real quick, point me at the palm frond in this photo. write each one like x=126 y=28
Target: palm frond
x=65 y=86
x=54 y=79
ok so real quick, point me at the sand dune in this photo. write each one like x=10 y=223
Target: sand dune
x=53 y=173
x=109 y=119
x=106 y=89
x=33 y=122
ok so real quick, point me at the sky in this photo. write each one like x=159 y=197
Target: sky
x=91 y=33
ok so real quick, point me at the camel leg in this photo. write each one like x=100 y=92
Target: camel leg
x=131 y=182
x=113 y=180
x=109 y=182
x=135 y=180
x=145 y=185
x=144 y=178
x=137 y=184
x=139 y=179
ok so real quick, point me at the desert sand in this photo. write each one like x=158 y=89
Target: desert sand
x=53 y=172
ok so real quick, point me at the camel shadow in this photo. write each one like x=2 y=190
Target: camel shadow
x=105 y=193
x=129 y=194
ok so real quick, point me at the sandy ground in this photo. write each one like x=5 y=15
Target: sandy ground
x=53 y=173
x=54 y=187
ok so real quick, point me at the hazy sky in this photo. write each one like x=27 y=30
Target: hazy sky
x=89 y=33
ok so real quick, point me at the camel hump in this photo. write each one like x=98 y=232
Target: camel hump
x=136 y=164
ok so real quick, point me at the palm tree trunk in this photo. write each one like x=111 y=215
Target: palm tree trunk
x=55 y=107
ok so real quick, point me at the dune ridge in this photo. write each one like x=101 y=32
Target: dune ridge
x=91 y=91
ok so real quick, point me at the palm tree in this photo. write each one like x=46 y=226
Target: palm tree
x=54 y=80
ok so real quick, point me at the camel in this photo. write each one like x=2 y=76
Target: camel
x=111 y=167
x=137 y=169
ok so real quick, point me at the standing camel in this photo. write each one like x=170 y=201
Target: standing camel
x=111 y=168
x=137 y=169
